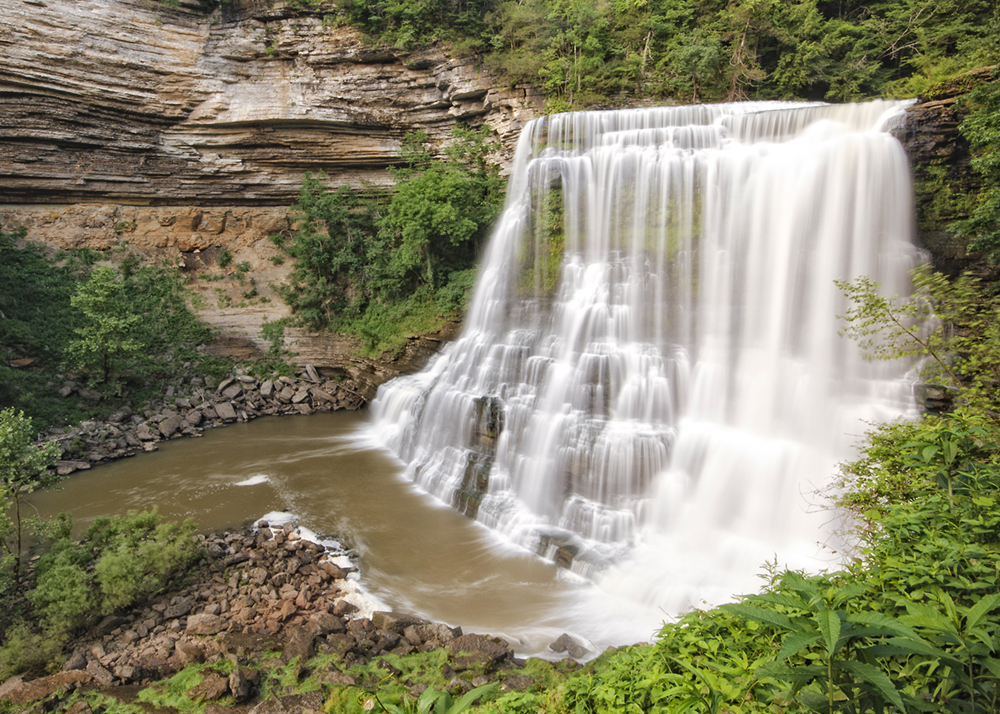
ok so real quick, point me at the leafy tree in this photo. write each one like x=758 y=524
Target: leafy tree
x=23 y=468
x=108 y=340
x=382 y=267
x=441 y=210
x=951 y=324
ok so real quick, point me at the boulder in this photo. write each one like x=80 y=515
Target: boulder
x=213 y=686
x=171 y=425
x=205 y=624
x=225 y=411
x=565 y=643
x=242 y=683
x=477 y=650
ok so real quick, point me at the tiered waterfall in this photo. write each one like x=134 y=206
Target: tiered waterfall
x=650 y=387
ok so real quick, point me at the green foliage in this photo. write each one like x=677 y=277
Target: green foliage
x=120 y=561
x=950 y=323
x=385 y=269
x=982 y=129
x=225 y=258
x=107 y=338
x=587 y=54
x=23 y=469
x=28 y=651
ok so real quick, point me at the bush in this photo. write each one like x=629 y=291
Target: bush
x=26 y=650
x=120 y=561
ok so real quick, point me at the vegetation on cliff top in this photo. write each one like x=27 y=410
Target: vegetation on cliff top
x=596 y=54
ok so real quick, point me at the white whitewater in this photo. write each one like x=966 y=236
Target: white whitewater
x=650 y=387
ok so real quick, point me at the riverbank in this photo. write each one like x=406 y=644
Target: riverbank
x=190 y=407
x=270 y=616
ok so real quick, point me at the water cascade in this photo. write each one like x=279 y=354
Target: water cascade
x=650 y=388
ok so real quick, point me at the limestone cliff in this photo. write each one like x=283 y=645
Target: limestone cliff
x=132 y=102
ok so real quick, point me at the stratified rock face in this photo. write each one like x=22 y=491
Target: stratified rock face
x=132 y=102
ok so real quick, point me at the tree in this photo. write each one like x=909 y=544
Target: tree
x=23 y=468
x=108 y=337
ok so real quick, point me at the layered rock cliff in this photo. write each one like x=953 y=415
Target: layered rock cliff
x=132 y=102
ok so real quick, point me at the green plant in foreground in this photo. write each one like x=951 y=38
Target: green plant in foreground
x=434 y=702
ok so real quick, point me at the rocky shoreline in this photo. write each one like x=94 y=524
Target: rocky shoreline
x=238 y=398
x=255 y=592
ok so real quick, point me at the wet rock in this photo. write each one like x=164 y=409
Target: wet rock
x=395 y=622
x=65 y=468
x=565 y=643
x=171 y=425
x=437 y=634
x=343 y=607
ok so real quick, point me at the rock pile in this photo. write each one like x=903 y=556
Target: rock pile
x=238 y=398
x=262 y=591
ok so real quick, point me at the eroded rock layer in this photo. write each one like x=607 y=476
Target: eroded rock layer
x=132 y=102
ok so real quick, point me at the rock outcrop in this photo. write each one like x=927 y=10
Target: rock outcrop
x=135 y=102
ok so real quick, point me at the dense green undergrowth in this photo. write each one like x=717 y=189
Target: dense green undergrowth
x=119 y=561
x=383 y=268
x=123 y=328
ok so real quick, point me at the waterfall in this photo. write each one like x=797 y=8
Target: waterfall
x=650 y=388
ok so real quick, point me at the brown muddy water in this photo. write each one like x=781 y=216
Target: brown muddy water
x=416 y=555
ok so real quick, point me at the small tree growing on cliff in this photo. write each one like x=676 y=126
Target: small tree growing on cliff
x=23 y=468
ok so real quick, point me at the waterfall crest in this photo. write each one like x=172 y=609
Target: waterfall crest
x=650 y=386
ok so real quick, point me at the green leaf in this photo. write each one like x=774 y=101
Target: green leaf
x=795 y=642
x=877 y=678
x=829 y=625
x=980 y=610
x=761 y=614
x=883 y=622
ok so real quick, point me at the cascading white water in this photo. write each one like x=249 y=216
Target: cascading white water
x=650 y=386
